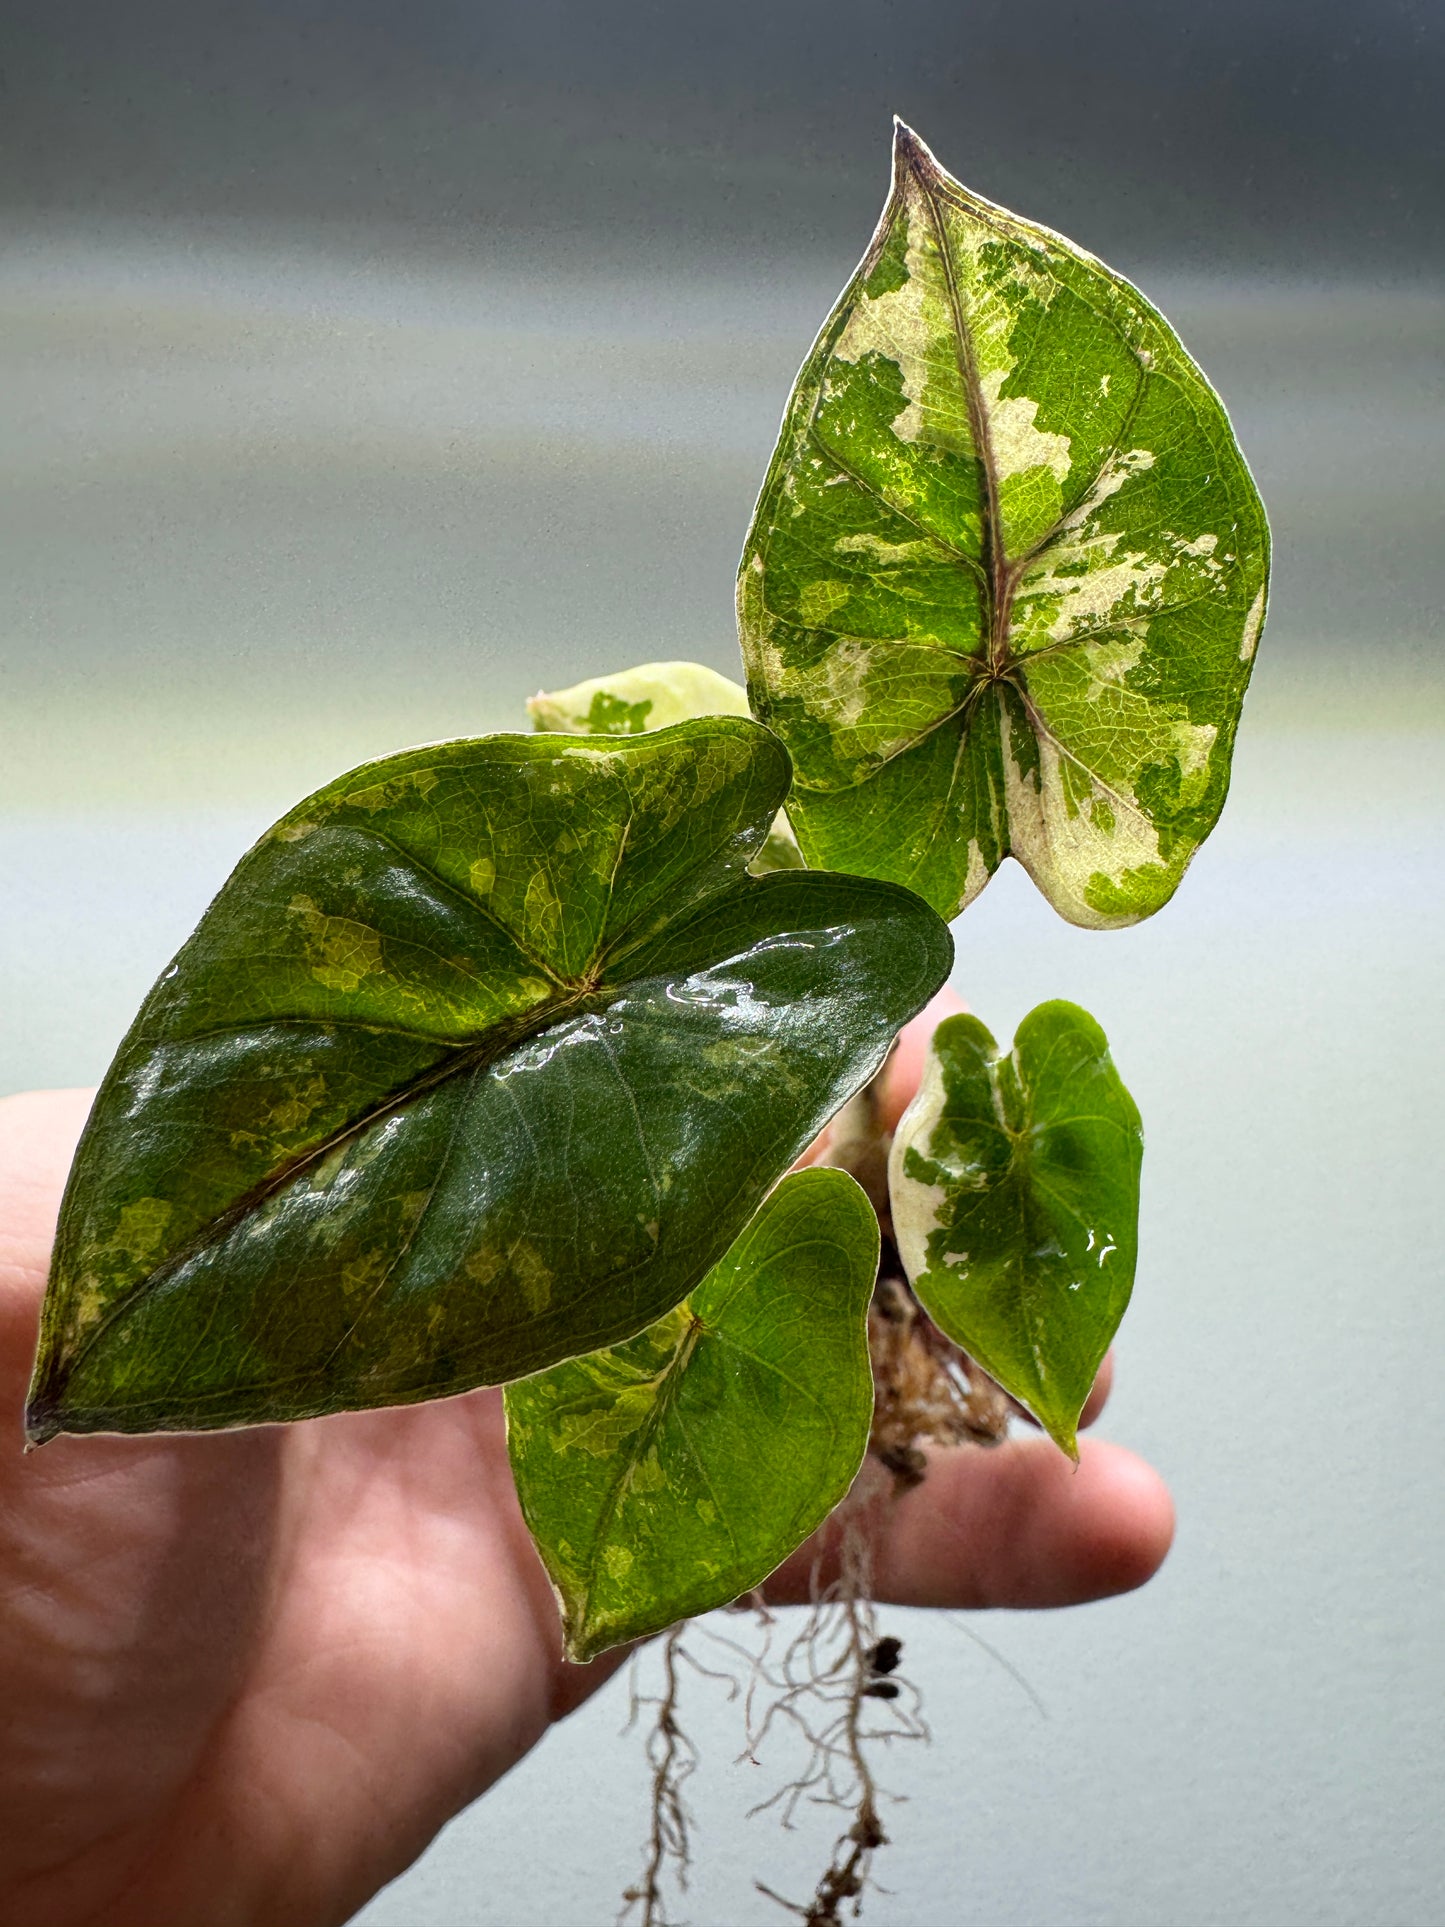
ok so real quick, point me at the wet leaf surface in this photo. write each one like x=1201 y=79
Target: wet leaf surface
x=480 y=1059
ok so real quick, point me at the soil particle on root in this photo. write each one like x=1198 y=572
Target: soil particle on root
x=926 y=1391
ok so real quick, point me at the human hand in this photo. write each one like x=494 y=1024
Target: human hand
x=245 y=1677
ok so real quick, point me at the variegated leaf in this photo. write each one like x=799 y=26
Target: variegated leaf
x=1004 y=583
x=1014 y=1183
x=654 y=695
x=666 y=1476
x=480 y=1059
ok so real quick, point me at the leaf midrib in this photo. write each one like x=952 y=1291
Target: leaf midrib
x=995 y=563
x=999 y=577
x=506 y=1036
x=935 y=187
x=668 y=1382
x=1002 y=576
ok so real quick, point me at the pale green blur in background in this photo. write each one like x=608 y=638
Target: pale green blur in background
x=285 y=487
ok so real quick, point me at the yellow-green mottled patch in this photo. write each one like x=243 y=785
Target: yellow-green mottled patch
x=297 y=1103
x=819 y=600
x=361 y=1277
x=141 y=1227
x=533 y=1275
x=395 y=789
x=340 y=950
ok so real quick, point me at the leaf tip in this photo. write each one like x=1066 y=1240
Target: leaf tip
x=42 y=1424
x=577 y=1649
x=586 y=1637
x=1060 y=1422
x=912 y=154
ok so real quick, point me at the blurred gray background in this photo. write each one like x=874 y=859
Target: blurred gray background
x=367 y=365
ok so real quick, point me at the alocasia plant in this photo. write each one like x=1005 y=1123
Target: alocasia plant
x=488 y=1062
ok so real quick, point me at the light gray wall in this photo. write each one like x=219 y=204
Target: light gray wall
x=1284 y=134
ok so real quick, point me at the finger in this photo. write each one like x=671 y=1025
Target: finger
x=1099 y=1396
x=38 y=1130
x=904 y=1071
x=1014 y=1526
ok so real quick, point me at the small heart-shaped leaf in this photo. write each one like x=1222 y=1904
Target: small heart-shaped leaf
x=481 y=1059
x=653 y=696
x=1005 y=579
x=1014 y=1184
x=666 y=1476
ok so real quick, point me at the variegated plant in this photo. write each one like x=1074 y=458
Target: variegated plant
x=487 y=1064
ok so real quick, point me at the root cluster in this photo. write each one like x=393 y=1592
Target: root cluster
x=925 y=1391
x=837 y=1683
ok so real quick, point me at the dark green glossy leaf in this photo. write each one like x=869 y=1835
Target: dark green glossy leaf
x=480 y=1059
x=1015 y=1191
x=1004 y=583
x=666 y=1476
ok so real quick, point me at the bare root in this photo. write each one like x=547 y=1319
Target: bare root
x=837 y=1685
x=673 y=1759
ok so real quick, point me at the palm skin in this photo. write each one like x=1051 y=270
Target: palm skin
x=246 y=1677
